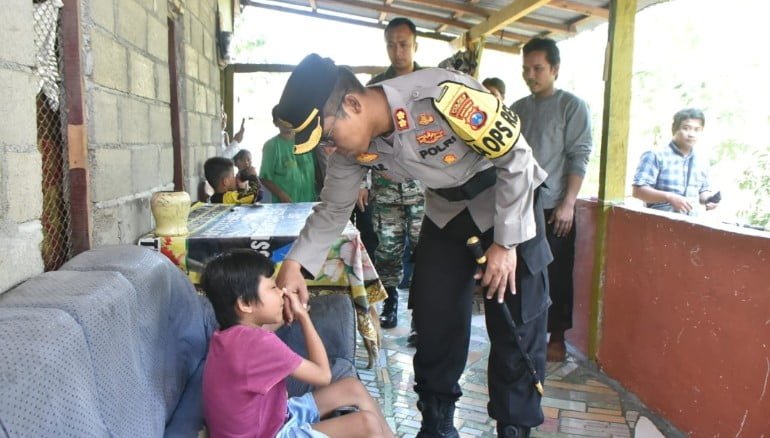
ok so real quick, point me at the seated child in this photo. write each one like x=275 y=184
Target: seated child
x=219 y=173
x=242 y=161
x=244 y=379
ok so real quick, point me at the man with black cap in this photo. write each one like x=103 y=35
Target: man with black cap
x=439 y=127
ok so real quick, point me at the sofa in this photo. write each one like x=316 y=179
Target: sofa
x=114 y=344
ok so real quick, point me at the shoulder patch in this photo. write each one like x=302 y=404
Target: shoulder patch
x=478 y=118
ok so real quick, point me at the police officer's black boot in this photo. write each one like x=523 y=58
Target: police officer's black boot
x=437 y=418
x=511 y=431
x=389 y=315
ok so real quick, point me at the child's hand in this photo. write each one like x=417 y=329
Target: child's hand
x=297 y=308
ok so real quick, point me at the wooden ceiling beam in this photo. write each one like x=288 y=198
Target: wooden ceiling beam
x=402 y=12
x=568 y=5
x=498 y=20
x=547 y=25
x=466 y=8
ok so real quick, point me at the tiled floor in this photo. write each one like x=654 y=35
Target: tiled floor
x=578 y=400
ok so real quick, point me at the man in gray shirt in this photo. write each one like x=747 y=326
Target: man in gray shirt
x=557 y=125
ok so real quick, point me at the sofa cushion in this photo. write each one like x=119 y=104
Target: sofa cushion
x=47 y=381
x=334 y=318
x=104 y=304
x=175 y=324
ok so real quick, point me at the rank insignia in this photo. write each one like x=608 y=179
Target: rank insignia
x=401 y=121
x=430 y=137
x=449 y=158
x=366 y=157
x=425 y=119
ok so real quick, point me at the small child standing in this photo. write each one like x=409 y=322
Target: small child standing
x=219 y=174
x=244 y=379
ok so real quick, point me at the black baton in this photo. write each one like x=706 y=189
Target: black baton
x=474 y=245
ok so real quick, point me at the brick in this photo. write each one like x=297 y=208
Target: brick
x=21 y=252
x=17 y=109
x=134 y=120
x=16 y=25
x=109 y=61
x=157 y=38
x=160 y=124
x=103 y=120
x=593 y=416
x=578 y=387
x=144 y=168
x=605 y=411
x=564 y=404
x=23 y=185
x=132 y=23
x=103 y=13
x=110 y=174
x=550 y=412
x=142 y=76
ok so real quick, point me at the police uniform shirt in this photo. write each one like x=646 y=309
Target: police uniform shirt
x=435 y=118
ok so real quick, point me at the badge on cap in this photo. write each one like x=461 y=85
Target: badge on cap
x=425 y=119
x=366 y=157
x=401 y=121
x=430 y=137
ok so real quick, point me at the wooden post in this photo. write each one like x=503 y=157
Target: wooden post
x=614 y=149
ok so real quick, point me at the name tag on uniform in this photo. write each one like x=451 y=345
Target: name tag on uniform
x=479 y=119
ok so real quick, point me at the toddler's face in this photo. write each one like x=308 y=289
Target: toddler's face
x=243 y=163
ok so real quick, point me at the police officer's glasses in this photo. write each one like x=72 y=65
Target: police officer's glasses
x=327 y=139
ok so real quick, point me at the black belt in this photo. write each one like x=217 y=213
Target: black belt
x=477 y=184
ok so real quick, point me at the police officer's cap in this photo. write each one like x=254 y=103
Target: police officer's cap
x=303 y=99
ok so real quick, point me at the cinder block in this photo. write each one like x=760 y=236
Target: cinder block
x=157 y=43
x=203 y=70
x=190 y=61
x=17 y=109
x=135 y=219
x=163 y=83
x=206 y=135
x=196 y=34
x=24 y=187
x=110 y=174
x=193 y=130
x=103 y=123
x=188 y=103
x=166 y=163
x=103 y=13
x=144 y=168
x=212 y=104
x=160 y=124
x=142 y=77
x=200 y=98
x=132 y=24
x=193 y=7
x=109 y=61
x=208 y=45
x=134 y=120
x=105 y=231
x=21 y=251
x=16 y=26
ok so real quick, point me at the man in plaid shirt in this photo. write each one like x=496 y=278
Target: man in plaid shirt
x=674 y=178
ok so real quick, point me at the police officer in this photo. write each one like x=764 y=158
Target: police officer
x=464 y=146
x=398 y=206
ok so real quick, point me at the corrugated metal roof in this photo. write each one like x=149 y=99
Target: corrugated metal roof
x=503 y=25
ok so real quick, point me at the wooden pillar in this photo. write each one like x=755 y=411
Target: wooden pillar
x=77 y=140
x=227 y=97
x=619 y=59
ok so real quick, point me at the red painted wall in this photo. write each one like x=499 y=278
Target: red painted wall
x=585 y=216
x=686 y=322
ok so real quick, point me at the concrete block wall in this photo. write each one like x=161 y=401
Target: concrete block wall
x=127 y=94
x=20 y=162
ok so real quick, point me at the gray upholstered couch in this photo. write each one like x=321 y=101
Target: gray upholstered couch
x=114 y=343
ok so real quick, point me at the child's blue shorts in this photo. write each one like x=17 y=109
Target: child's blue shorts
x=302 y=413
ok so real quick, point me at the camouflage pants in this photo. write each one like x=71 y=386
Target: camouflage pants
x=391 y=223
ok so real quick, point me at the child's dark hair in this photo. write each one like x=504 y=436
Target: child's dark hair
x=234 y=274
x=241 y=155
x=216 y=169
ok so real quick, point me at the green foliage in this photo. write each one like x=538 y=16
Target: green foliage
x=756 y=179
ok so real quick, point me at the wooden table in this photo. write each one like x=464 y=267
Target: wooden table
x=271 y=229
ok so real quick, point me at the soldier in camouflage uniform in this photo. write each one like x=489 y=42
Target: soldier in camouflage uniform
x=398 y=207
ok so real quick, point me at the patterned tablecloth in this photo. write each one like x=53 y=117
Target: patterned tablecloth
x=271 y=229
